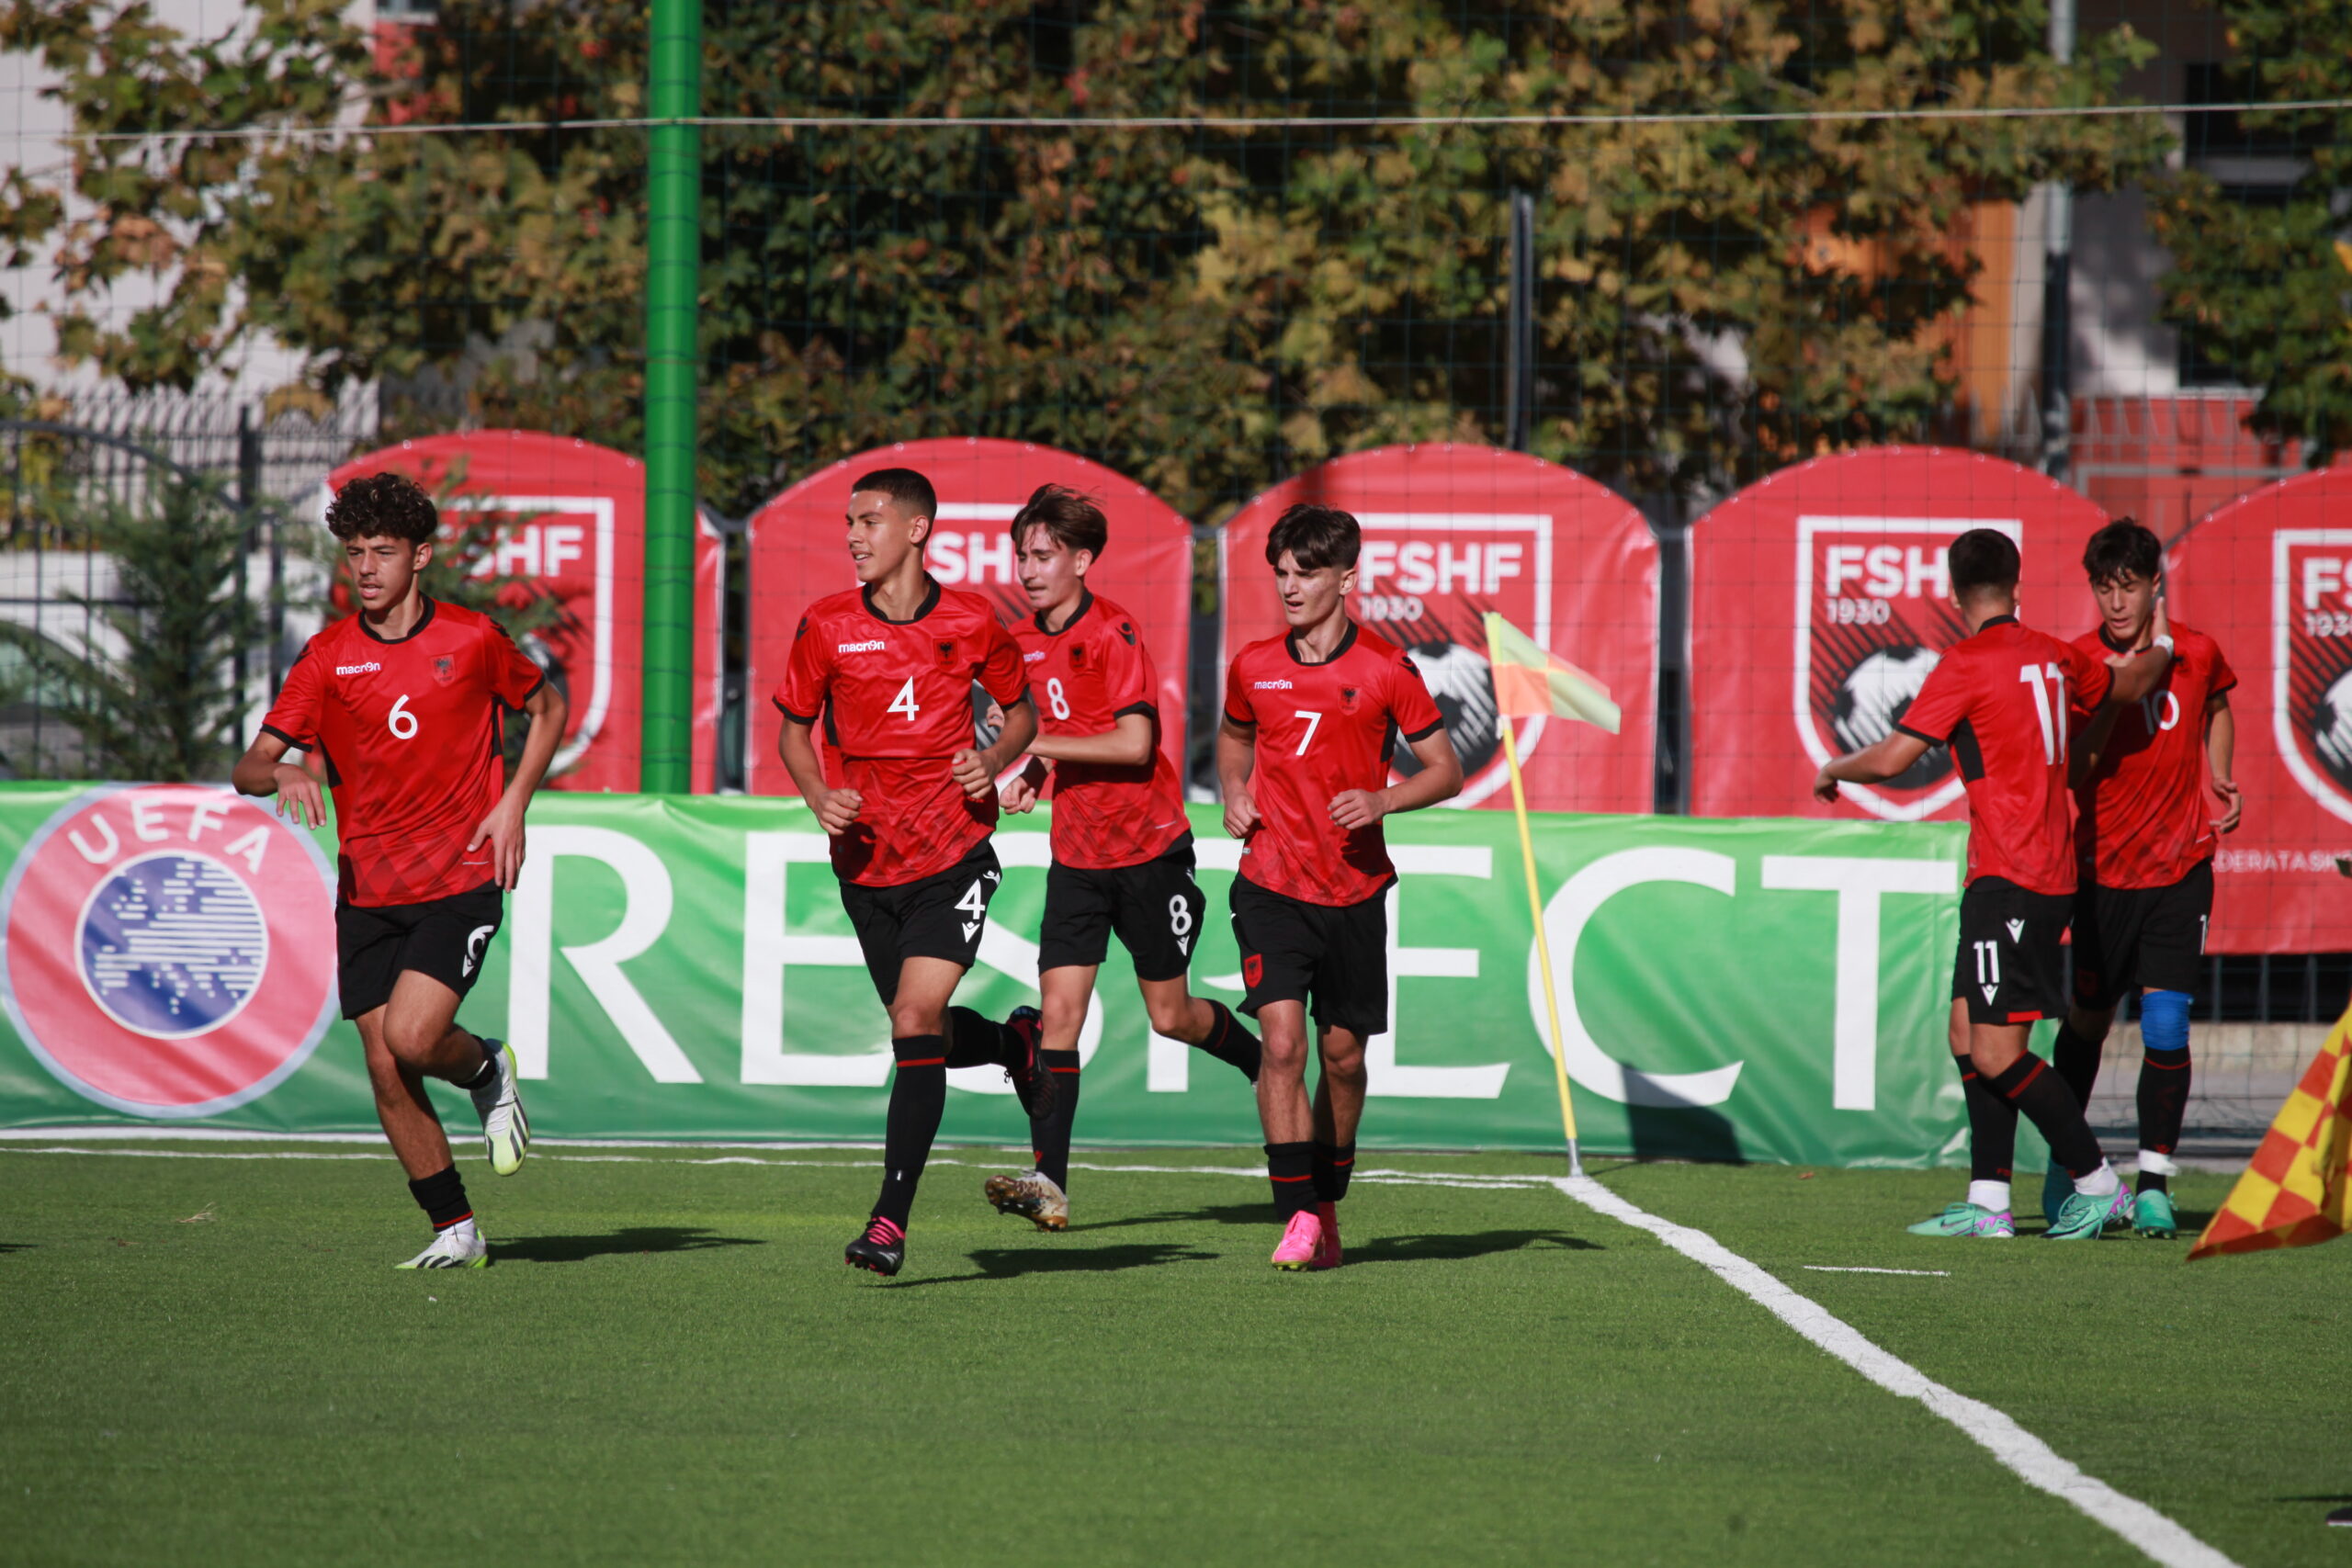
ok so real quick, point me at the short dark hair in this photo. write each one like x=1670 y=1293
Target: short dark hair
x=1982 y=558
x=1073 y=520
x=1315 y=535
x=906 y=487
x=383 y=506
x=2122 y=548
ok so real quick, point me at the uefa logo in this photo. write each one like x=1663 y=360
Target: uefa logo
x=163 y=948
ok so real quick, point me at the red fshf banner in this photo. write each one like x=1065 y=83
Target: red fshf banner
x=2269 y=577
x=1819 y=601
x=1451 y=532
x=569 y=519
x=799 y=551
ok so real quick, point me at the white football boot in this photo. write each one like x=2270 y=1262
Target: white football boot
x=506 y=1130
x=462 y=1246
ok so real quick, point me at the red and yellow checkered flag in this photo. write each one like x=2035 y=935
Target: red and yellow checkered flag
x=2298 y=1188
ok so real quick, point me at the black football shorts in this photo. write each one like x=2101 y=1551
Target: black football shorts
x=1155 y=907
x=2009 y=968
x=2127 y=937
x=940 y=916
x=444 y=938
x=1333 y=957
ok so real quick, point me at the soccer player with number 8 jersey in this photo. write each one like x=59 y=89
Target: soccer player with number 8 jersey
x=1123 y=850
x=1303 y=761
x=889 y=668
x=405 y=703
x=2006 y=700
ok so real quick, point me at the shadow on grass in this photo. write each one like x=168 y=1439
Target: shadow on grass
x=1258 y=1214
x=636 y=1238
x=1474 y=1243
x=2318 y=1497
x=16 y=1246
x=1004 y=1263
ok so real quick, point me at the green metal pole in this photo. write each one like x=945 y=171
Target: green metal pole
x=672 y=280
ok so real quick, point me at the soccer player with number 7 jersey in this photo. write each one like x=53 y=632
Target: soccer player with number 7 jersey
x=2006 y=700
x=1123 y=850
x=405 y=703
x=1302 y=758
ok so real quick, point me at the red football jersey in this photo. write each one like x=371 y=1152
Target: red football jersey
x=1322 y=729
x=1083 y=677
x=2006 y=700
x=2141 y=819
x=411 y=733
x=897 y=701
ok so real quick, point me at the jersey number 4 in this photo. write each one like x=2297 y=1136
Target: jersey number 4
x=905 y=701
x=2050 y=706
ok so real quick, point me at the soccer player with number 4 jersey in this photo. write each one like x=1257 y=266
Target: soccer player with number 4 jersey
x=1123 y=850
x=1302 y=758
x=405 y=703
x=889 y=668
x=2145 y=836
x=2006 y=700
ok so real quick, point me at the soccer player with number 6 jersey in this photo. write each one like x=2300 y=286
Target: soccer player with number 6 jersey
x=1303 y=761
x=1123 y=850
x=404 y=703
x=889 y=668
x=2006 y=699
x=2145 y=838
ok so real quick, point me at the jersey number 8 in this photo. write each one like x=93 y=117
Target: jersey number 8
x=1055 y=697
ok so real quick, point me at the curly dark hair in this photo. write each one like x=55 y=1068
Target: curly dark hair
x=1316 y=536
x=383 y=506
x=2123 y=547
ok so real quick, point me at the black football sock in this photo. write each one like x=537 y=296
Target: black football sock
x=483 y=1075
x=918 y=1097
x=1992 y=1126
x=977 y=1041
x=442 y=1196
x=2163 y=1106
x=1050 y=1135
x=2076 y=1059
x=1332 y=1164
x=1291 y=1168
x=1231 y=1043
x=2042 y=1097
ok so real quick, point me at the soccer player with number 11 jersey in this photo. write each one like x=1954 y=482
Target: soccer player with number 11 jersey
x=405 y=703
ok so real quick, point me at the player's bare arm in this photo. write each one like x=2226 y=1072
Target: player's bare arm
x=1440 y=779
x=976 y=769
x=835 y=809
x=1873 y=764
x=1125 y=745
x=263 y=771
x=1236 y=750
x=547 y=710
x=2220 y=751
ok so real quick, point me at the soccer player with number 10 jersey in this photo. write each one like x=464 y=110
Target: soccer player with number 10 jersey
x=1303 y=761
x=405 y=703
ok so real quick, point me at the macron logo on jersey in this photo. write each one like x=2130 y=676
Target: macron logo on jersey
x=367 y=668
x=1269 y=685
x=1033 y=658
x=875 y=645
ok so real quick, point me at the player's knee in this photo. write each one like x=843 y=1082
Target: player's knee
x=410 y=1041
x=2091 y=1023
x=1343 y=1059
x=911 y=1019
x=1283 y=1054
x=2163 y=1021
x=1173 y=1019
x=1061 y=1017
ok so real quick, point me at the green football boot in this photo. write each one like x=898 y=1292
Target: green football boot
x=2151 y=1217
x=2082 y=1218
x=1967 y=1220
x=2056 y=1187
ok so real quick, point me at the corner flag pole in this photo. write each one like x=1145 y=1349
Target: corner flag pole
x=1542 y=947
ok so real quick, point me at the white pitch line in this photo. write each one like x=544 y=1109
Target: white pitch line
x=2023 y=1454
x=1858 y=1268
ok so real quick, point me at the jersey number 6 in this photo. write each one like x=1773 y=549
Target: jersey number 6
x=403 y=723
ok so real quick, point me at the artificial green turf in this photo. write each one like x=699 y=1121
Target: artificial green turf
x=668 y=1364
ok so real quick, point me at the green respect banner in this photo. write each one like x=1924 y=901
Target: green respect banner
x=680 y=968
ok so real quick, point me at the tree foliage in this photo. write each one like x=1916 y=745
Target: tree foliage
x=2263 y=275
x=1203 y=309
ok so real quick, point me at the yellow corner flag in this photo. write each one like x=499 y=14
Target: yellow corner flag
x=1531 y=683
x=2297 y=1190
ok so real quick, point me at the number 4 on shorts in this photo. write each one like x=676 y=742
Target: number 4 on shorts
x=975 y=904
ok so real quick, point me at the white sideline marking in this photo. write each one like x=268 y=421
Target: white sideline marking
x=1858 y=1268
x=2023 y=1454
